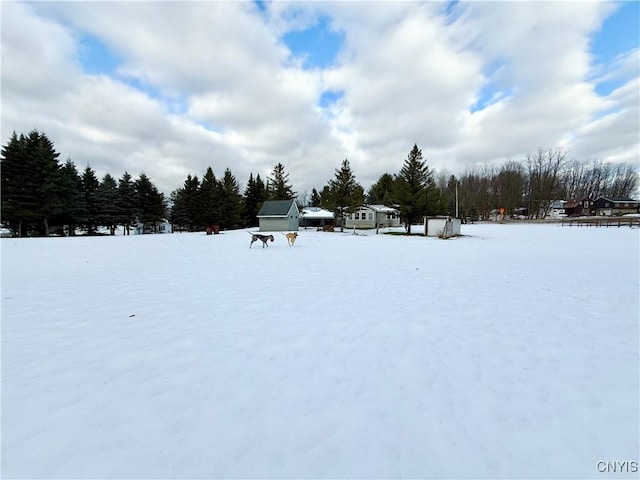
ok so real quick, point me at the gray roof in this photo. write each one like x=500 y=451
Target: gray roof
x=275 y=208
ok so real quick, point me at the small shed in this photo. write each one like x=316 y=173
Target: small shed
x=279 y=216
x=441 y=226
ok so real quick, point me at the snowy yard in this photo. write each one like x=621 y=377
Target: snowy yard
x=509 y=353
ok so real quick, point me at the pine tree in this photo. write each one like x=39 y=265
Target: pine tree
x=30 y=182
x=208 y=212
x=415 y=188
x=178 y=211
x=73 y=206
x=18 y=204
x=315 y=198
x=252 y=202
x=381 y=192
x=231 y=202
x=107 y=200
x=191 y=197
x=90 y=184
x=150 y=203
x=126 y=202
x=345 y=194
x=278 y=186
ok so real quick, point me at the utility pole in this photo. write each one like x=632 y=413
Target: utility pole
x=457 y=216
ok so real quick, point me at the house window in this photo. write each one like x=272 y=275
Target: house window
x=357 y=215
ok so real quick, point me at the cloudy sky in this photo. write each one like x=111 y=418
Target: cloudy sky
x=170 y=88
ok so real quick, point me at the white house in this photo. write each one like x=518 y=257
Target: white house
x=370 y=216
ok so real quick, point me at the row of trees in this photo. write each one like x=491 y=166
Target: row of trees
x=39 y=193
x=534 y=183
x=530 y=186
x=200 y=203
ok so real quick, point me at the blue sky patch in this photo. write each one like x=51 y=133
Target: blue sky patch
x=452 y=11
x=317 y=46
x=489 y=95
x=94 y=56
x=261 y=4
x=619 y=34
x=173 y=105
x=329 y=97
x=494 y=90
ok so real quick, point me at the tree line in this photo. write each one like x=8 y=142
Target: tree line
x=39 y=194
x=532 y=185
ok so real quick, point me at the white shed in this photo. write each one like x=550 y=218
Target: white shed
x=441 y=226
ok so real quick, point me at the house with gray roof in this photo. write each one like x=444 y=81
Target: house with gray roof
x=279 y=216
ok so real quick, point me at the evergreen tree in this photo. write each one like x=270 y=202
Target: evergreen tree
x=345 y=194
x=90 y=184
x=381 y=192
x=415 y=188
x=73 y=206
x=315 y=198
x=126 y=202
x=191 y=198
x=150 y=203
x=107 y=200
x=178 y=213
x=13 y=180
x=208 y=212
x=231 y=202
x=252 y=202
x=30 y=182
x=278 y=186
x=263 y=193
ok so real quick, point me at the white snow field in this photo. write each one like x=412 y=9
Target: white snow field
x=511 y=352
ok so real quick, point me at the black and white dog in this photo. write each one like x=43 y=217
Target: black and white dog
x=263 y=238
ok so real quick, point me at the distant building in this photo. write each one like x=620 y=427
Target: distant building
x=613 y=206
x=143 y=228
x=575 y=207
x=316 y=217
x=370 y=216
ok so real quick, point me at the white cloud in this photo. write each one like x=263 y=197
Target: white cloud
x=221 y=89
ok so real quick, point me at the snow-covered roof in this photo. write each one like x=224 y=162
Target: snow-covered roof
x=382 y=208
x=316 y=212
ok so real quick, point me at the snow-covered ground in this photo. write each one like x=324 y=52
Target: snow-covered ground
x=509 y=353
